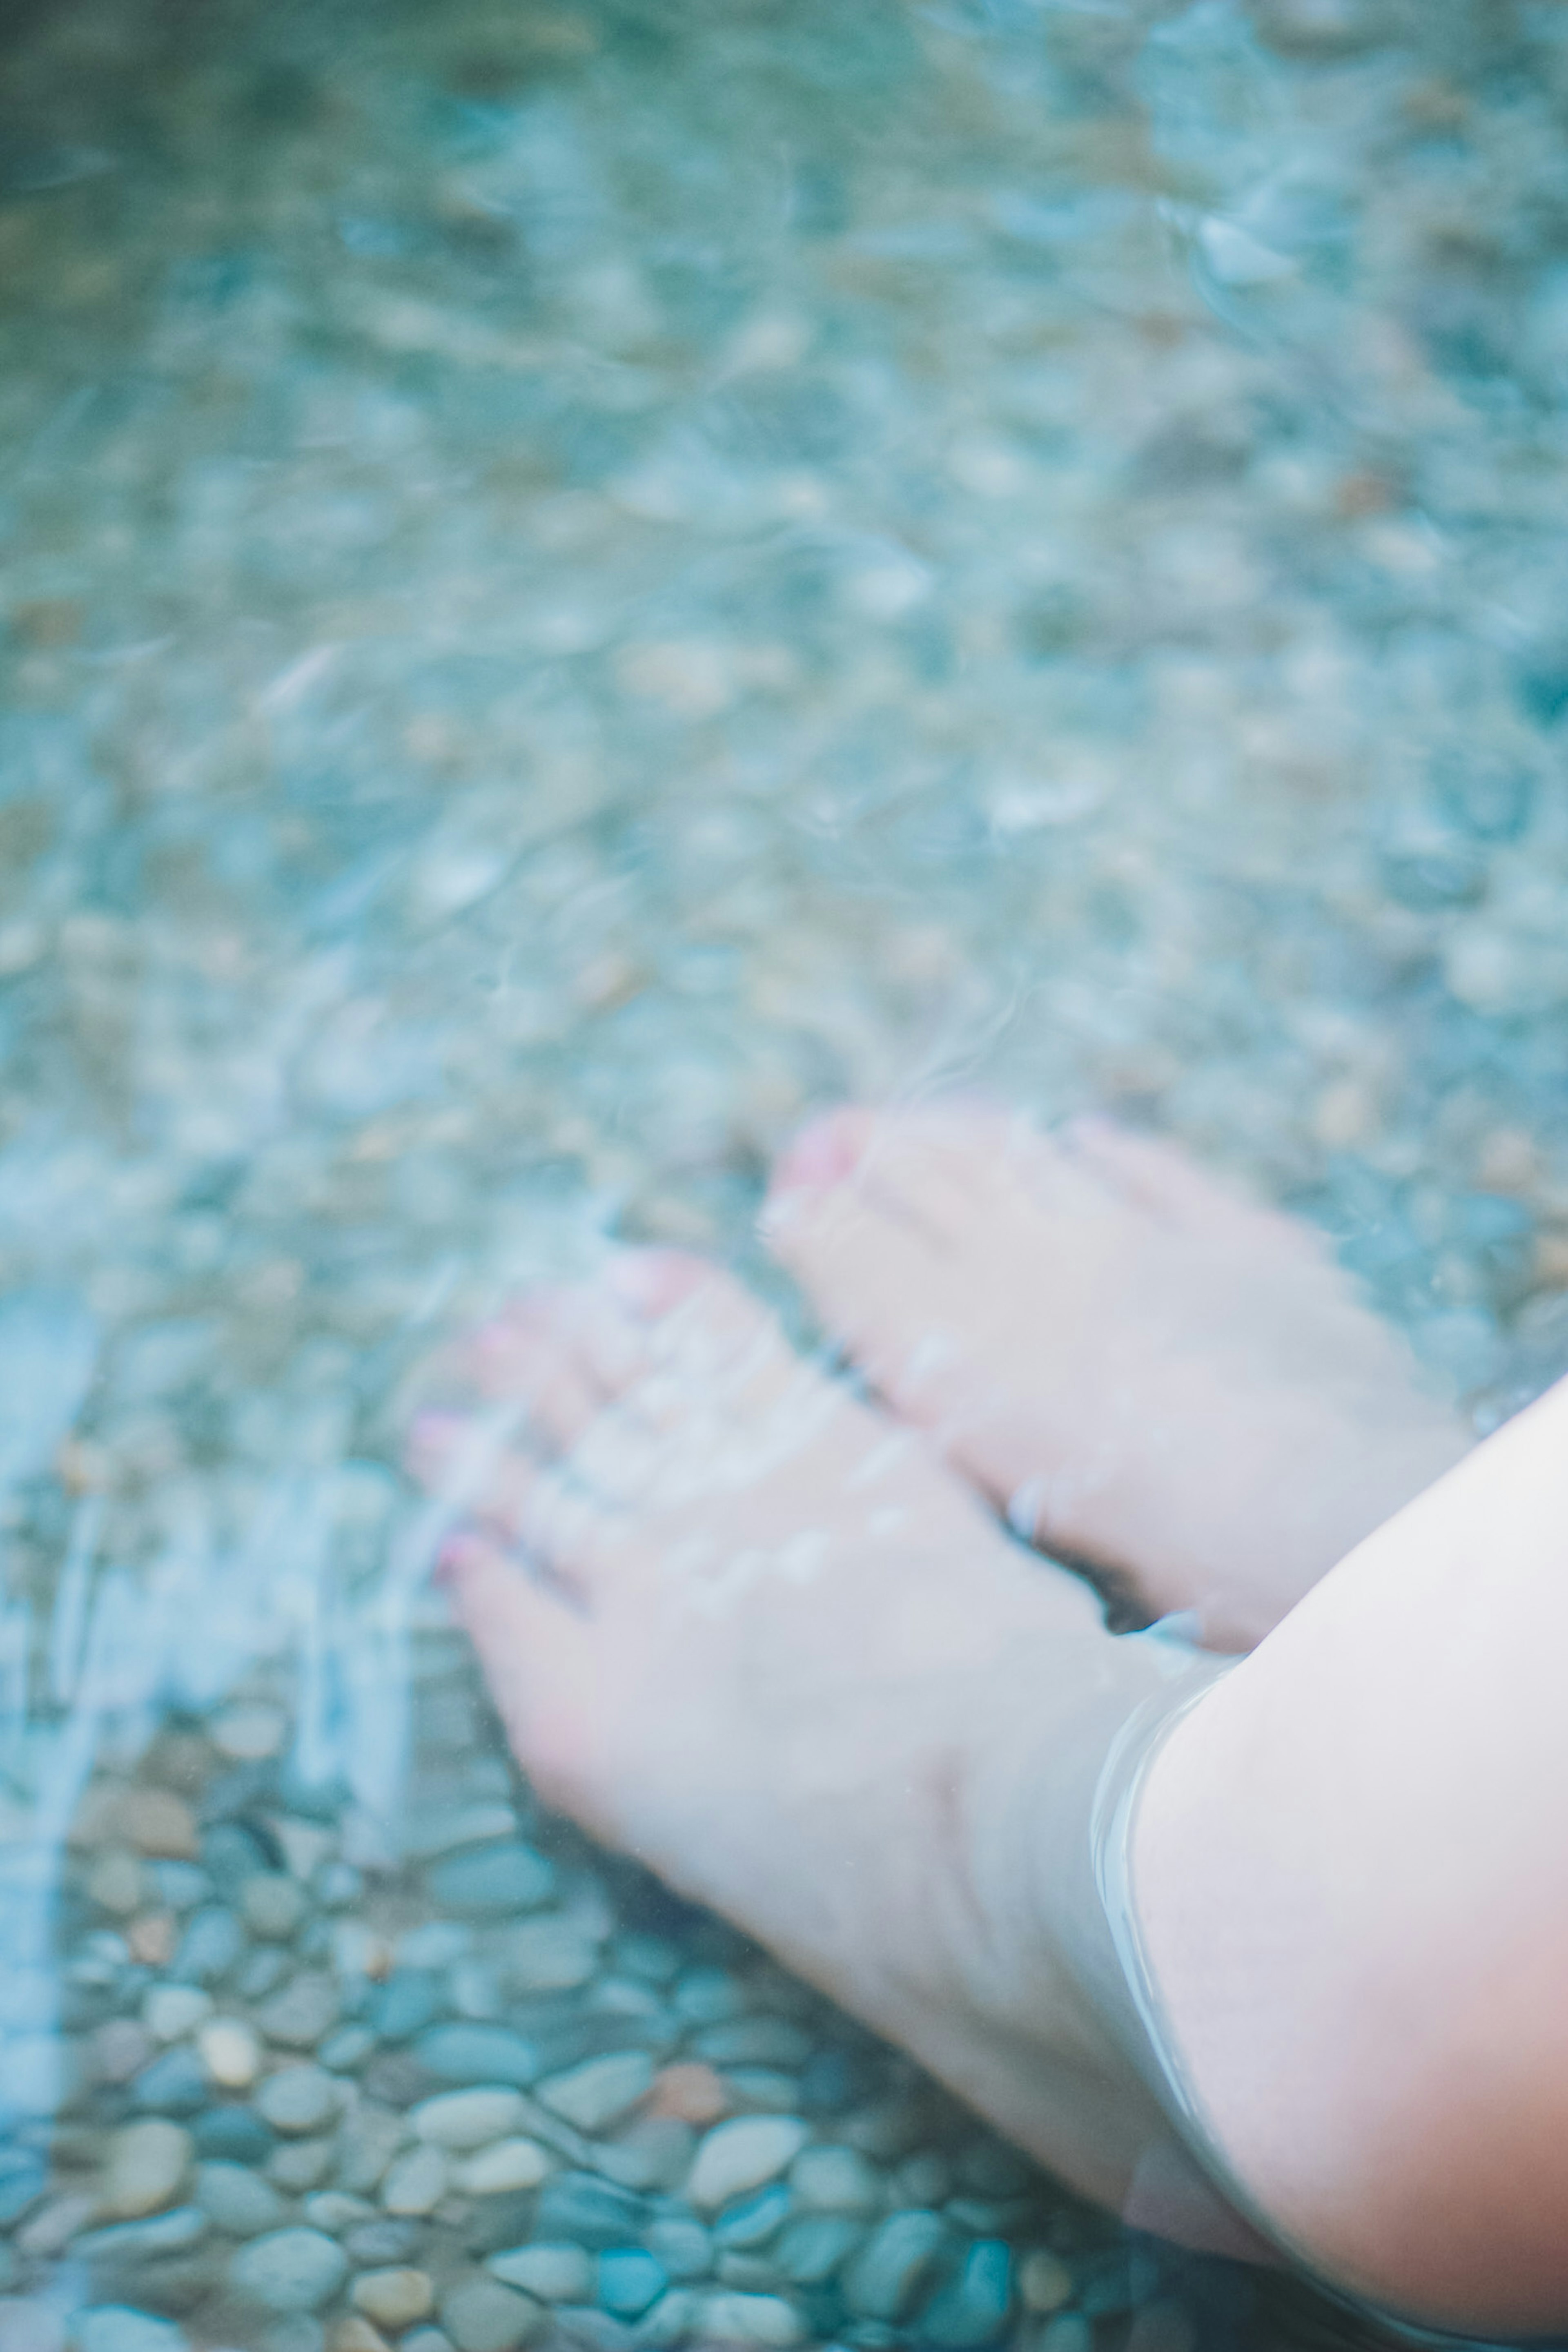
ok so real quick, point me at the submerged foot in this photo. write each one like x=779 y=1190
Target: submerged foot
x=1141 y=1367
x=749 y=1630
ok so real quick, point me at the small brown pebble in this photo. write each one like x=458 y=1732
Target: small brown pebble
x=47 y=622
x=152 y=1938
x=690 y=2092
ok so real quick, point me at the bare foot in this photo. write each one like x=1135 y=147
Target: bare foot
x=749 y=1630
x=1141 y=1367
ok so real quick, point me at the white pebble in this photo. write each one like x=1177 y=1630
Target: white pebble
x=169 y=2011
x=145 y=2165
x=416 y=2183
x=463 y=2120
x=509 y=2164
x=231 y=2050
x=248 y=1733
x=742 y=2155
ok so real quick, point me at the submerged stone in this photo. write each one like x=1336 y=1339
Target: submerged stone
x=489 y=1881
x=290 y=2270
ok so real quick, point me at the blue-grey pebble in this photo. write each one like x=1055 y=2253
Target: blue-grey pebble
x=410 y=2000
x=236 y=2135
x=181 y=1885
x=22 y=2179
x=492 y=1881
x=348 y=2047
x=263 y=1971
x=974 y=2308
x=753 y=2042
x=589 y=2211
x=231 y=1853
x=683 y=2246
x=125 y=2244
x=379 y=2244
x=465 y=2052
x=175 y=2083
x=815 y=2245
x=751 y=2220
x=211 y=1946
x=117 y=2327
x=237 y=2200
x=290 y=2270
x=629 y=2281
x=888 y=2275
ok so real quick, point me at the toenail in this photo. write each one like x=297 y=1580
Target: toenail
x=820 y=1154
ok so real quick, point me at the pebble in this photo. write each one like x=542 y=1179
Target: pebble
x=417 y=2183
x=334 y=2211
x=273 y=1906
x=262 y=1971
x=465 y=2120
x=432 y=1831
x=691 y=2093
x=156 y=1822
x=370 y=2136
x=145 y=2166
x=706 y=1996
x=169 y=2011
x=173 y=2085
x=395 y=2299
x=117 y=1882
x=126 y=2244
x=765 y=2319
x=118 y=2049
x=832 y=2180
x=181 y=1885
x=815 y=2245
x=492 y=1881
x=237 y=2200
x=629 y=2281
x=302 y=2013
x=507 y=2167
x=601 y=2092
x=555 y=2273
x=345 y=2048
x=894 y=2265
x=290 y=2270
x=681 y=2245
x=151 y=1938
x=589 y=2211
x=22 y=2179
x=116 y=2327
x=352 y=2331
x=1068 y=2332
x=974 y=2308
x=743 y=2154
x=477 y=2054
x=248 y=1732
x=672 y=2321
x=300 y=2164
x=377 y=2245
x=483 y=2315
x=753 y=2041
x=410 y=2000
x=1045 y=2282
x=550 y=1956
x=211 y=1946
x=298 y=2099
x=751 y=2220
x=232 y=2135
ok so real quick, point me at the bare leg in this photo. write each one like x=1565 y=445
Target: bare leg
x=1135 y=1362
x=1350 y=1866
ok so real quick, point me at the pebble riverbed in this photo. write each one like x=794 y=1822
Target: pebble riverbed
x=577 y=580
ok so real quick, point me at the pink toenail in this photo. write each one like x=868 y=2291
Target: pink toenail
x=820 y=1155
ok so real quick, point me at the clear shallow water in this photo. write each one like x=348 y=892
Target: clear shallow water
x=577 y=582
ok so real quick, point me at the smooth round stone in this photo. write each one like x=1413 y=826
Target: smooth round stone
x=116 y=2327
x=301 y=2164
x=894 y=2265
x=211 y=1946
x=1045 y=2283
x=338 y=1885
x=263 y=1970
x=303 y=2013
x=479 y=2054
x=589 y=2211
x=974 y=2308
x=550 y=1956
x=765 y=2319
x=751 y=2220
x=417 y=2183
x=169 y=2011
x=483 y=2315
x=180 y=1885
x=334 y=2211
x=629 y=2282
x=248 y=1731
x=237 y=2200
x=465 y=2120
x=231 y=2135
x=117 y=1882
x=144 y=2168
x=351 y=2331
x=815 y=2245
x=741 y=2154
x=29 y=2326
x=555 y=2273
x=410 y=2000
x=707 y=1996
x=381 y=2245
x=672 y=2321
x=491 y=1881
x=273 y=1906
x=23 y=2177
x=346 y=2047
x=298 y=2099
x=174 y=2085
x=753 y=2041
x=510 y=2165
x=157 y=1822
x=681 y=2245
x=290 y=2270
x=601 y=2091
x=836 y=2180
x=393 y=2298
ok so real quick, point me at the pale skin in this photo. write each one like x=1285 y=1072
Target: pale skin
x=777 y=1643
